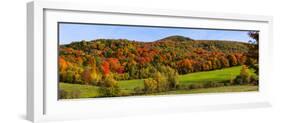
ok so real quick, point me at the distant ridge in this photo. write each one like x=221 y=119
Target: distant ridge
x=176 y=38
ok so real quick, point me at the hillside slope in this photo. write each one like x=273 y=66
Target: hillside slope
x=126 y=59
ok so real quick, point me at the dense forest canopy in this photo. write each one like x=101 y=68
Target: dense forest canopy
x=92 y=62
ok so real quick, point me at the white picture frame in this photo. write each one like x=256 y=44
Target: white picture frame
x=42 y=103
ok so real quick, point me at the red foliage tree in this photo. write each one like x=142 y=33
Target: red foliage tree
x=105 y=68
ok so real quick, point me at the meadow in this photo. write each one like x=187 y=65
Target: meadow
x=128 y=87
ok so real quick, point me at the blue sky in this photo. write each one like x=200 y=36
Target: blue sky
x=69 y=32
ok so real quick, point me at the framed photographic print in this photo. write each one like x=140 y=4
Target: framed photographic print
x=97 y=61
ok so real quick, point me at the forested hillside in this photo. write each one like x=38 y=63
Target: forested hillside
x=154 y=67
x=133 y=59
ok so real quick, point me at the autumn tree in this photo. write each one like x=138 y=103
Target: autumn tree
x=109 y=87
x=224 y=61
x=244 y=77
x=86 y=76
x=105 y=68
x=245 y=74
x=185 y=66
x=232 y=60
x=172 y=77
x=150 y=85
x=161 y=80
x=62 y=64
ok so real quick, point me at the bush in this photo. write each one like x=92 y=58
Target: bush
x=69 y=76
x=109 y=82
x=163 y=80
x=245 y=74
x=162 y=83
x=254 y=80
x=150 y=85
x=244 y=77
x=109 y=91
x=69 y=95
x=238 y=80
x=118 y=76
x=219 y=84
x=196 y=86
x=231 y=82
x=138 y=91
x=63 y=94
x=228 y=84
x=183 y=87
x=213 y=84
x=75 y=94
x=209 y=84
x=171 y=76
x=109 y=87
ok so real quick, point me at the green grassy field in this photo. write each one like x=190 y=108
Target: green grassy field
x=127 y=86
x=214 y=76
x=86 y=91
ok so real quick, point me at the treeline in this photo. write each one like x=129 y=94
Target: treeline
x=92 y=62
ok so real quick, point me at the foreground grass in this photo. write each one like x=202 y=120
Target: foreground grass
x=236 y=88
x=86 y=91
x=127 y=86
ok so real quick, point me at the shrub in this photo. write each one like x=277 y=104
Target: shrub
x=219 y=84
x=162 y=83
x=244 y=77
x=238 y=80
x=109 y=87
x=209 y=84
x=228 y=84
x=213 y=84
x=75 y=94
x=69 y=95
x=109 y=91
x=254 y=80
x=150 y=85
x=245 y=74
x=231 y=82
x=172 y=78
x=69 y=76
x=109 y=82
x=63 y=94
x=138 y=90
x=195 y=86
x=124 y=94
x=183 y=87
x=122 y=76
